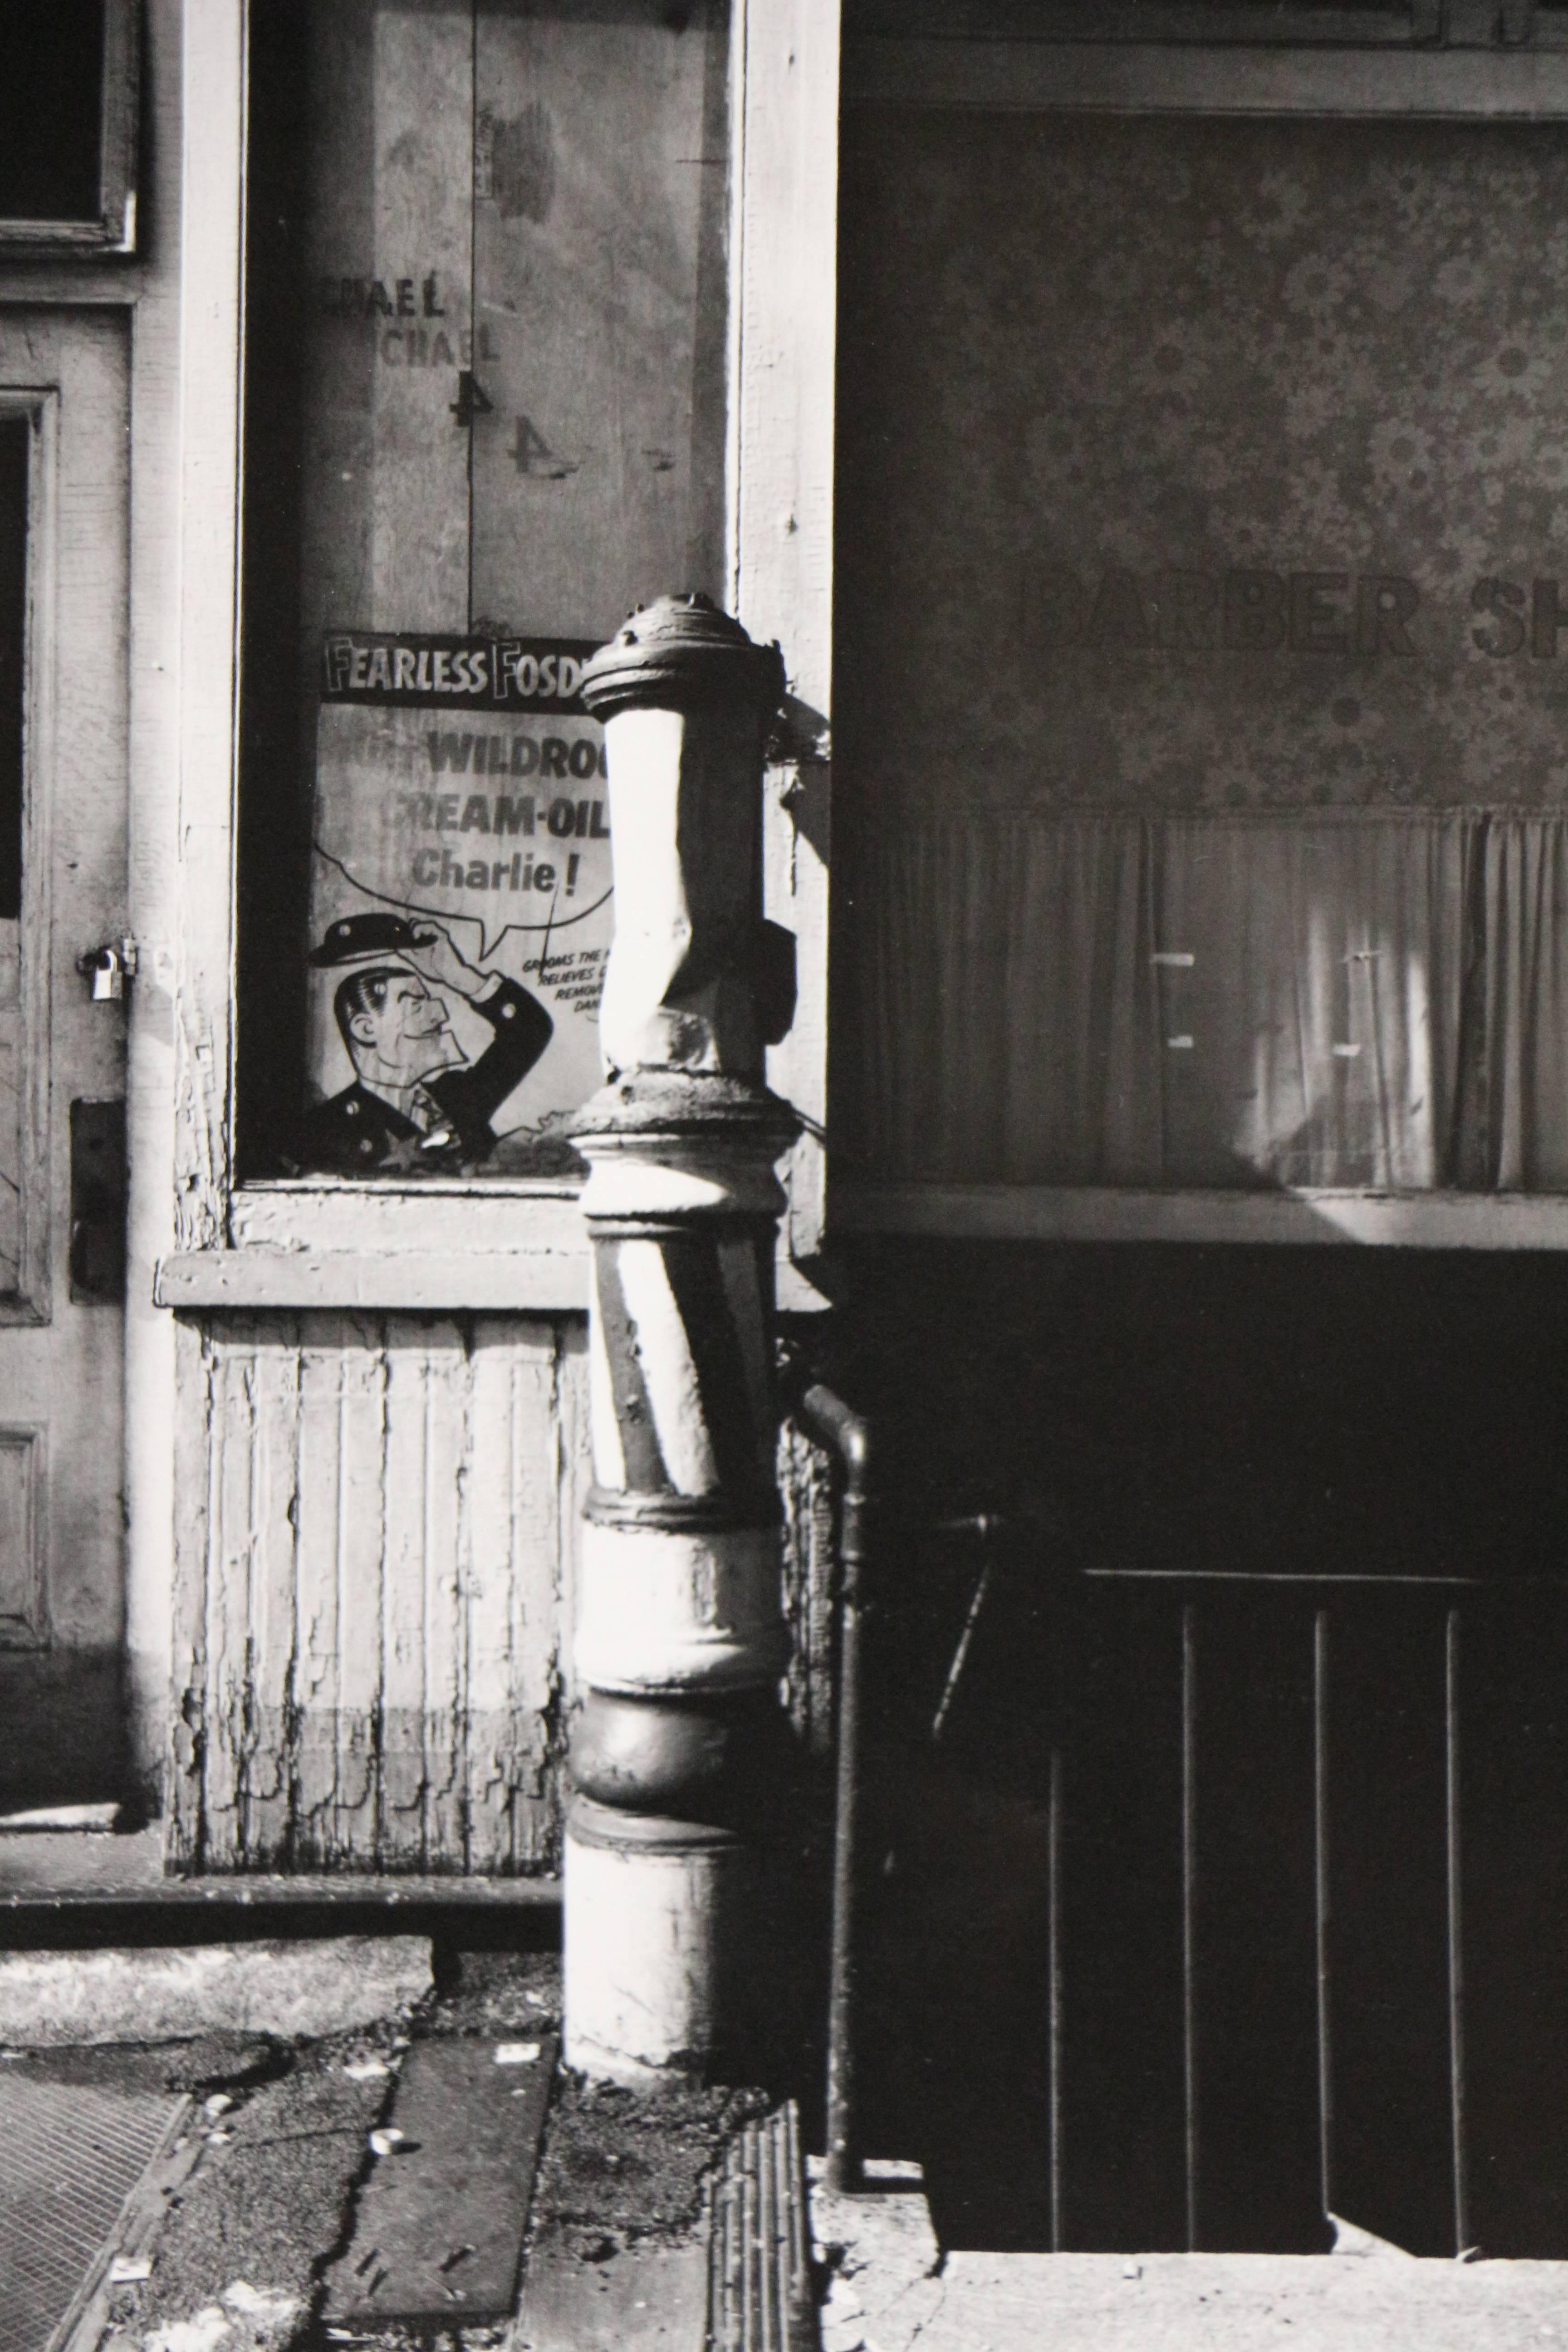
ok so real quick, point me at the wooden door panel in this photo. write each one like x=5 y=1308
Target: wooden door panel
x=62 y=1357
x=385 y=509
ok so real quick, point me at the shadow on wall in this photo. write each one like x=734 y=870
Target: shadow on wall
x=64 y=1741
x=1189 y=1443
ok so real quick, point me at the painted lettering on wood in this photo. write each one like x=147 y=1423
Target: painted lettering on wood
x=514 y=301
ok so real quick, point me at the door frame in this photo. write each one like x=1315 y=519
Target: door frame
x=245 y=1246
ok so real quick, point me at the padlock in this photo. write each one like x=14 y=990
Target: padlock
x=108 y=968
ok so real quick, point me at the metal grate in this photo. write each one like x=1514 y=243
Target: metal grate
x=71 y=2153
x=759 y=2295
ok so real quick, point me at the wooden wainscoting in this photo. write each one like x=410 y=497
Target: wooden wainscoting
x=375 y=1527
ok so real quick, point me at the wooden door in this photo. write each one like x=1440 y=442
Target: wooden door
x=64 y=421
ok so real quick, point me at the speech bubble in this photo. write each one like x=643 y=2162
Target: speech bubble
x=488 y=945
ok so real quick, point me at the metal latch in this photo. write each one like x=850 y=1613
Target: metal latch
x=109 y=968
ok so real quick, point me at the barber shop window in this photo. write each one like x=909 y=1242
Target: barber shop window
x=485 y=334
x=1203 y=597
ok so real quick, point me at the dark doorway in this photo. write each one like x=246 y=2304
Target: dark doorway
x=1233 y=1893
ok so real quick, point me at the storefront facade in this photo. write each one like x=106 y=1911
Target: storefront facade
x=1198 y=756
x=243 y=316
x=1191 y=376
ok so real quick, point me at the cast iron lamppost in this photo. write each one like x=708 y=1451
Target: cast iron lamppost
x=680 y=1638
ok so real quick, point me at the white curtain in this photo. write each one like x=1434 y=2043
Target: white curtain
x=1317 y=997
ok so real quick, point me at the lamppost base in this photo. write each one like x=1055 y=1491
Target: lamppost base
x=661 y=1978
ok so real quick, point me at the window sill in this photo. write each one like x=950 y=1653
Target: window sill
x=433 y=1247
x=428 y=1282
x=1490 y=1221
x=436 y=1247
x=441 y=1214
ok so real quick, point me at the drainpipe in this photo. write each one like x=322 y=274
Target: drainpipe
x=832 y=1422
x=676 y=1753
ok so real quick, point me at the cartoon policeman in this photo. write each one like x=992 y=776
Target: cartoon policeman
x=416 y=1102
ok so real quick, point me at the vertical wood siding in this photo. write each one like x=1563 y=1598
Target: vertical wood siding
x=375 y=1525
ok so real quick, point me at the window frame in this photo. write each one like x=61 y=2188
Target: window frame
x=114 y=230
x=1288 y=23
x=508 y=1243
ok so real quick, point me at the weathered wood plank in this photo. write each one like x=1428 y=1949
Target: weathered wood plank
x=571 y=1465
x=318 y=1631
x=497 y=1561
x=188 y=1644
x=386 y=488
x=377 y=1525
x=448 y=1572
x=401 y=1698
x=424 y=232
x=166 y=339
x=600 y=335
x=785 y=247
x=574 y=1475
x=515 y=1598
x=355 y=1539
x=228 y=1597
x=270 y=1793
x=531 y=1281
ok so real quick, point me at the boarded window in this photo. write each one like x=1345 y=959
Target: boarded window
x=499 y=261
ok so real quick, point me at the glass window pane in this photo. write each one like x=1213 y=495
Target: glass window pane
x=51 y=103
x=1204 y=621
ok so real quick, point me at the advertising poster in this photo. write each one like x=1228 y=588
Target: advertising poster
x=460 y=906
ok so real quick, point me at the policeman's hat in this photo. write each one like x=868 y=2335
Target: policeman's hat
x=354 y=936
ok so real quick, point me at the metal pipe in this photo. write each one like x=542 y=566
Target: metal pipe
x=832 y=1422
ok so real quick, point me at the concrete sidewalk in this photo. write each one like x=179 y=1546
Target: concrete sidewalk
x=279 y=2128
x=618 y=2257
x=281 y=2136
x=891 y=2289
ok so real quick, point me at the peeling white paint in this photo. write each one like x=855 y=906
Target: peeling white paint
x=373 y=1564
